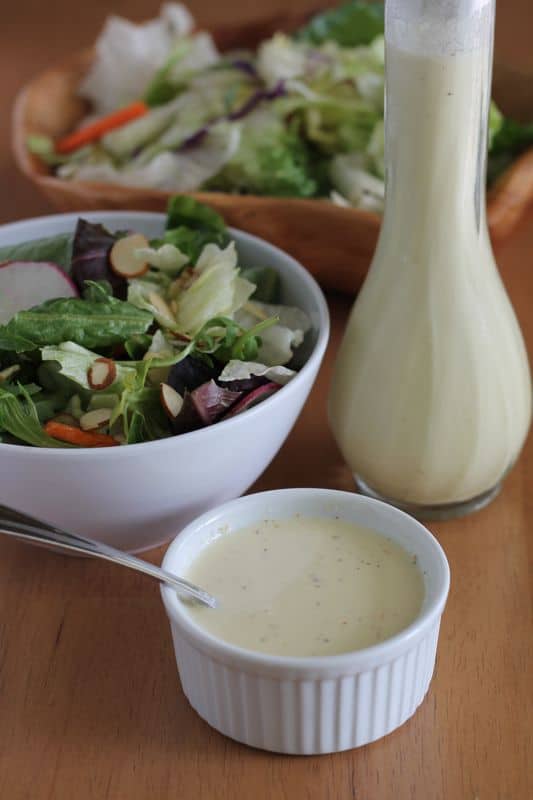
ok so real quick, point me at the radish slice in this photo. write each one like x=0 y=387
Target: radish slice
x=24 y=284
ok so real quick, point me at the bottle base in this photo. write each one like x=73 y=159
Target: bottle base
x=435 y=512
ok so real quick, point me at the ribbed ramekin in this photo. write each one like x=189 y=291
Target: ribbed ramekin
x=318 y=704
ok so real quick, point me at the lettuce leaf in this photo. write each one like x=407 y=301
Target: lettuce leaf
x=74 y=362
x=278 y=341
x=216 y=291
x=272 y=159
x=190 y=55
x=168 y=170
x=267 y=283
x=100 y=322
x=19 y=418
x=56 y=249
x=354 y=23
x=147 y=419
x=243 y=370
x=183 y=210
x=128 y=54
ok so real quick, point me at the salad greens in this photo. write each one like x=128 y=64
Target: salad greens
x=302 y=116
x=181 y=337
x=97 y=320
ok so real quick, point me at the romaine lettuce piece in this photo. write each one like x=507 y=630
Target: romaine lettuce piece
x=272 y=159
x=100 y=322
x=128 y=54
x=351 y=24
x=216 y=290
x=167 y=258
x=356 y=184
x=280 y=58
x=280 y=340
x=19 y=418
x=75 y=361
x=123 y=142
x=243 y=370
x=180 y=172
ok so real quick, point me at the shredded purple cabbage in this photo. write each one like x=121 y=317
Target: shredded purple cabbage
x=245 y=66
x=258 y=97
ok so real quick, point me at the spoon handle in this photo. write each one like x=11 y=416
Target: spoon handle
x=15 y=523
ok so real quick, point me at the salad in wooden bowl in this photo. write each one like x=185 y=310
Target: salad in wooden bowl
x=281 y=132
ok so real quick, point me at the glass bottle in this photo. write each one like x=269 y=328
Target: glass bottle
x=431 y=395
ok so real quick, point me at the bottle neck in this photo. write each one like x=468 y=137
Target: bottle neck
x=436 y=119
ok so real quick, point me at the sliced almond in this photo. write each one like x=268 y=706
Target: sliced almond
x=101 y=373
x=184 y=280
x=93 y=420
x=161 y=306
x=124 y=259
x=171 y=401
x=8 y=372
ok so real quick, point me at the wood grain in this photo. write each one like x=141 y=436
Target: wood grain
x=90 y=703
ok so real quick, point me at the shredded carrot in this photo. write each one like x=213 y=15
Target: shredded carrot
x=67 y=433
x=94 y=131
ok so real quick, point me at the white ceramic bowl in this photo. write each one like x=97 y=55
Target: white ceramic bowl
x=138 y=496
x=318 y=704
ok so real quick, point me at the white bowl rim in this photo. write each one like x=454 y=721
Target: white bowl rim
x=353 y=661
x=314 y=359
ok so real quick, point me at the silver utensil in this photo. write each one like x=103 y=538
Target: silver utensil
x=15 y=523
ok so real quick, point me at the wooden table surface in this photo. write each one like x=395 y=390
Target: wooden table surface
x=90 y=703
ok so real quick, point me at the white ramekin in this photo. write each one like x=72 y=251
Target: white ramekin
x=318 y=704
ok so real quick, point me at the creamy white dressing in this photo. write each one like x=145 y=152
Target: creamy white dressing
x=306 y=586
x=431 y=396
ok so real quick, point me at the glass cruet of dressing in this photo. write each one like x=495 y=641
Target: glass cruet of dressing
x=431 y=395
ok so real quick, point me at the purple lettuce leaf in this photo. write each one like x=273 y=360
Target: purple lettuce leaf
x=203 y=406
x=245 y=384
x=253 y=398
x=246 y=108
x=90 y=257
x=190 y=373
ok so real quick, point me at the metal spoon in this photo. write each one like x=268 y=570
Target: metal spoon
x=22 y=526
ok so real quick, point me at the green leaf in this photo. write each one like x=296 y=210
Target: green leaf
x=74 y=362
x=100 y=322
x=163 y=87
x=512 y=137
x=271 y=160
x=191 y=241
x=55 y=249
x=267 y=282
x=136 y=346
x=185 y=210
x=352 y=24
x=148 y=419
x=19 y=418
x=97 y=291
x=506 y=143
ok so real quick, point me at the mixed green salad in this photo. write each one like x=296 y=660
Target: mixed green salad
x=302 y=116
x=108 y=338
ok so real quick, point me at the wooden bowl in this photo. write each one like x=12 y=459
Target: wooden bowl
x=336 y=244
